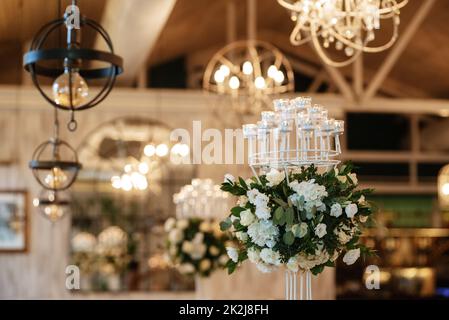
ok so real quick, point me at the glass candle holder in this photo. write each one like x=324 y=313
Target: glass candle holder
x=250 y=133
x=263 y=134
x=339 y=129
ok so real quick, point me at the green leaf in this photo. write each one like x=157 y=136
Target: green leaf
x=225 y=224
x=231 y=266
x=237 y=210
x=288 y=238
x=289 y=216
x=330 y=264
x=317 y=270
x=243 y=183
x=279 y=216
x=280 y=202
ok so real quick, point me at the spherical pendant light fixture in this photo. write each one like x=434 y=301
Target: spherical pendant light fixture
x=251 y=73
x=53 y=205
x=74 y=66
x=55 y=165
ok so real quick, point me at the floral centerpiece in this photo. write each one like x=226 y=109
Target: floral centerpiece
x=83 y=252
x=196 y=246
x=112 y=251
x=304 y=221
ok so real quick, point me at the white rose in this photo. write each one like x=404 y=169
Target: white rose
x=187 y=247
x=351 y=256
x=186 y=268
x=198 y=251
x=263 y=212
x=182 y=224
x=175 y=236
x=320 y=230
x=214 y=251
x=270 y=256
x=242 y=236
x=252 y=194
x=342 y=179
x=232 y=253
x=363 y=219
x=261 y=200
x=205 y=264
x=223 y=259
x=198 y=238
x=169 y=224
x=253 y=255
x=274 y=177
x=242 y=201
x=173 y=250
x=351 y=210
x=263 y=233
x=336 y=210
x=205 y=226
x=246 y=218
x=264 y=268
x=292 y=264
x=353 y=177
x=229 y=178
x=300 y=230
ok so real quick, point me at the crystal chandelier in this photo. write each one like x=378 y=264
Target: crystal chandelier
x=347 y=25
x=296 y=134
x=201 y=199
x=135 y=173
x=249 y=72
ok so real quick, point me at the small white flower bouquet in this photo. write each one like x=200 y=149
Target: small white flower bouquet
x=196 y=246
x=304 y=222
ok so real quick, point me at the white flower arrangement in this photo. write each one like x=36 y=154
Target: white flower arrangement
x=304 y=222
x=196 y=246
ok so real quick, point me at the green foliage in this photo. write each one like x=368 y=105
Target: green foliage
x=288 y=212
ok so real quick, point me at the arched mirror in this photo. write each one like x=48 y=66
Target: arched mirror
x=120 y=201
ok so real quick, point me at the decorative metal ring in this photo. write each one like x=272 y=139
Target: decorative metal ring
x=71 y=166
x=36 y=54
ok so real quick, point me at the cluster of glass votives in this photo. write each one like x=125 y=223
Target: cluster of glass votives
x=201 y=199
x=296 y=133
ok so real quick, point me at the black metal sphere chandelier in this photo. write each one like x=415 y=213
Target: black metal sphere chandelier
x=74 y=64
x=55 y=163
x=53 y=205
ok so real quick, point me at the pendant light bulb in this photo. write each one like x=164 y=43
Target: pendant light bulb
x=61 y=88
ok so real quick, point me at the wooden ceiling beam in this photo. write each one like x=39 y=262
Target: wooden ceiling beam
x=398 y=48
x=134 y=27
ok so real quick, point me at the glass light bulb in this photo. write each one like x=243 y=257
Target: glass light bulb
x=259 y=82
x=219 y=76
x=61 y=88
x=56 y=178
x=161 y=150
x=53 y=212
x=225 y=70
x=126 y=182
x=149 y=150
x=143 y=168
x=234 y=83
x=445 y=189
x=116 y=182
x=247 y=68
x=272 y=71
x=279 y=78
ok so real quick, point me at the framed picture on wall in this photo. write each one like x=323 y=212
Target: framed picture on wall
x=13 y=221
